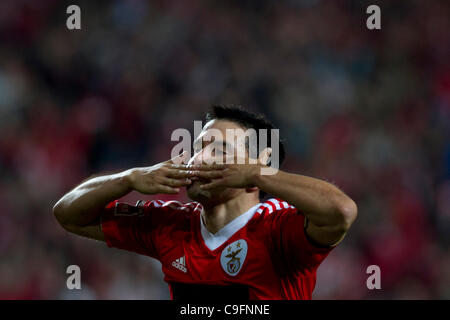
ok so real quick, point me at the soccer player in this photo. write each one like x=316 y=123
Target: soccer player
x=226 y=243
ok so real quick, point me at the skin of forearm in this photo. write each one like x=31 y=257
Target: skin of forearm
x=321 y=202
x=80 y=206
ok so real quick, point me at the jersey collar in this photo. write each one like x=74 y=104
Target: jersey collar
x=213 y=241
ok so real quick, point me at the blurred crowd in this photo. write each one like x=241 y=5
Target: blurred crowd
x=368 y=110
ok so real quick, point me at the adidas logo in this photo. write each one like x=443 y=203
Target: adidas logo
x=180 y=264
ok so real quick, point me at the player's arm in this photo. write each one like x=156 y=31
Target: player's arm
x=79 y=211
x=329 y=211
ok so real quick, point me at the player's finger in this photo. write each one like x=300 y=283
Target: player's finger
x=209 y=174
x=175 y=182
x=206 y=167
x=168 y=190
x=179 y=174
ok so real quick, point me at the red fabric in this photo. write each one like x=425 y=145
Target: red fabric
x=280 y=262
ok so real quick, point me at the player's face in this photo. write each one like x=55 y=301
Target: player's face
x=209 y=149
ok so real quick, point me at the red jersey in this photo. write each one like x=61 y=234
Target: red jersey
x=262 y=254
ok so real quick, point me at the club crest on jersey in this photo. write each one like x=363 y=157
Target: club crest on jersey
x=233 y=257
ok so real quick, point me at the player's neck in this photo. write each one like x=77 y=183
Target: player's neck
x=217 y=217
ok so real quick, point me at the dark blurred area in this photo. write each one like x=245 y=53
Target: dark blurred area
x=368 y=110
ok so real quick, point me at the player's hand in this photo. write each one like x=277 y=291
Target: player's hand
x=227 y=175
x=165 y=177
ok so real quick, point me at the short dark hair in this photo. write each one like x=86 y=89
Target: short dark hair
x=248 y=120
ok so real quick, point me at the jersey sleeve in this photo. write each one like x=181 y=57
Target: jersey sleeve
x=290 y=241
x=133 y=227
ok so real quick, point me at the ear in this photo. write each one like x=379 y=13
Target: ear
x=264 y=156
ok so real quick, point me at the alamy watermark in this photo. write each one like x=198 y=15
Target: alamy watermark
x=74 y=20
x=74 y=280
x=374 y=20
x=374 y=280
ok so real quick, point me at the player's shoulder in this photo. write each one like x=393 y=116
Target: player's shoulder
x=270 y=213
x=170 y=212
x=141 y=206
x=173 y=206
x=273 y=210
x=275 y=206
